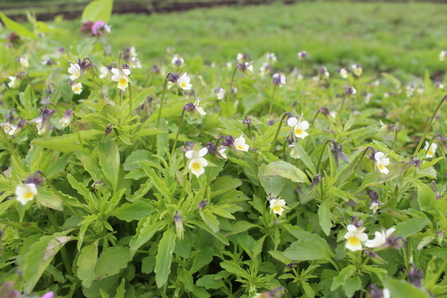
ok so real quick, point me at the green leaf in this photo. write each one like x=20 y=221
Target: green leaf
x=57 y=166
x=209 y=282
x=224 y=184
x=86 y=264
x=50 y=199
x=411 y=226
x=111 y=261
x=145 y=231
x=272 y=185
x=343 y=276
x=305 y=158
x=120 y=291
x=352 y=285
x=403 y=289
x=309 y=247
x=133 y=211
x=234 y=269
x=426 y=196
x=39 y=257
x=210 y=220
x=16 y=27
x=202 y=258
x=285 y=170
x=164 y=257
x=98 y=10
x=68 y=142
x=324 y=216
x=109 y=159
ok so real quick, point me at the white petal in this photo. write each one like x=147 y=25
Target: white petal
x=292 y=121
x=303 y=125
x=202 y=152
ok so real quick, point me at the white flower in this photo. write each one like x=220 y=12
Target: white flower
x=355 y=237
x=221 y=152
x=77 y=88
x=333 y=114
x=25 y=192
x=74 y=70
x=104 y=71
x=277 y=205
x=183 y=82
x=382 y=162
x=430 y=151
x=265 y=68
x=240 y=57
x=199 y=109
x=442 y=55
x=386 y=293
x=12 y=82
x=343 y=73
x=271 y=57
x=13 y=130
x=374 y=206
x=122 y=77
x=220 y=93
x=229 y=65
x=293 y=152
x=196 y=162
x=24 y=61
x=357 y=69
x=239 y=144
x=66 y=120
x=380 y=238
x=176 y=60
x=299 y=128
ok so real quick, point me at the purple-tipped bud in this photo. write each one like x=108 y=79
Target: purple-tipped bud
x=173 y=77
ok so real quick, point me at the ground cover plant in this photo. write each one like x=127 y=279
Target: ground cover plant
x=239 y=178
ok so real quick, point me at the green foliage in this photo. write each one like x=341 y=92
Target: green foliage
x=137 y=193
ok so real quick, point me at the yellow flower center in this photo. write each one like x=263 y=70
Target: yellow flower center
x=196 y=166
x=183 y=84
x=298 y=131
x=381 y=167
x=123 y=82
x=430 y=152
x=240 y=147
x=28 y=196
x=277 y=208
x=354 y=241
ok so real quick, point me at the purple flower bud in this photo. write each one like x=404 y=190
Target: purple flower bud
x=173 y=77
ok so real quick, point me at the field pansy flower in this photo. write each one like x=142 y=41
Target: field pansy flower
x=382 y=162
x=271 y=58
x=301 y=55
x=220 y=93
x=77 y=88
x=442 y=55
x=122 y=77
x=279 y=79
x=380 y=238
x=430 y=150
x=24 y=61
x=293 y=152
x=43 y=121
x=25 y=192
x=183 y=82
x=357 y=69
x=196 y=162
x=66 y=120
x=343 y=73
x=299 y=128
x=74 y=70
x=277 y=205
x=104 y=72
x=239 y=144
x=12 y=82
x=355 y=237
x=177 y=61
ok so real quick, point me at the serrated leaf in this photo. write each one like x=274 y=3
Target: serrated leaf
x=39 y=257
x=342 y=277
x=210 y=219
x=352 y=285
x=109 y=159
x=285 y=170
x=209 y=282
x=86 y=264
x=411 y=226
x=145 y=231
x=224 y=184
x=202 y=258
x=324 y=217
x=111 y=261
x=164 y=257
x=50 y=199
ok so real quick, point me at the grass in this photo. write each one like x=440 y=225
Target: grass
x=377 y=35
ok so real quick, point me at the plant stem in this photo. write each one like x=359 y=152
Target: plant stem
x=342 y=104
x=428 y=126
x=178 y=131
x=231 y=84
x=273 y=98
x=130 y=100
x=277 y=131
x=162 y=101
